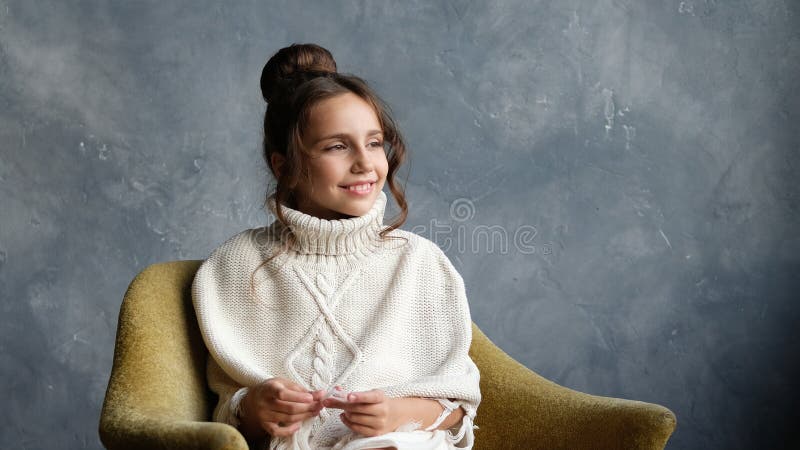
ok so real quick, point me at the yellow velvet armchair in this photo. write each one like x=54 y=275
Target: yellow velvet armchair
x=157 y=396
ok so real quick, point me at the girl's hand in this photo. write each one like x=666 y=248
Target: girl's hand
x=370 y=413
x=279 y=406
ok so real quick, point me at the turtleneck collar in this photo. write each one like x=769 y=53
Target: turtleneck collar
x=356 y=235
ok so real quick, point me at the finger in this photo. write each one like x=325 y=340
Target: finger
x=348 y=406
x=367 y=420
x=363 y=398
x=364 y=408
x=289 y=419
x=318 y=395
x=287 y=390
x=290 y=411
x=358 y=428
x=371 y=396
x=334 y=403
x=294 y=407
x=289 y=395
x=276 y=429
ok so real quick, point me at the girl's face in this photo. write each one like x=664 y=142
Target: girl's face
x=345 y=144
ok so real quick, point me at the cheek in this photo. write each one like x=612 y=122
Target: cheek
x=382 y=165
x=330 y=171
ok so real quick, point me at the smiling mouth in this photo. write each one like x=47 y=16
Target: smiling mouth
x=366 y=187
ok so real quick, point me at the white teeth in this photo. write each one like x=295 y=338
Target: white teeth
x=360 y=187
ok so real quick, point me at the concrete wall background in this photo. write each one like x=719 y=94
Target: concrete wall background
x=652 y=145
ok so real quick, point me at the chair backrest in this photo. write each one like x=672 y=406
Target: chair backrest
x=160 y=356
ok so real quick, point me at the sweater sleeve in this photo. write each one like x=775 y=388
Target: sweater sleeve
x=229 y=392
x=461 y=434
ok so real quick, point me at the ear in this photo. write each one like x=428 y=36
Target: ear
x=277 y=162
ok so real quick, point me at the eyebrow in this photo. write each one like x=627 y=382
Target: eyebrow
x=343 y=135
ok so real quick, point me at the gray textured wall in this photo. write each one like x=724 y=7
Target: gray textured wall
x=651 y=145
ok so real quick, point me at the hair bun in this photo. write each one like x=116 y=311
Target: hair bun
x=291 y=66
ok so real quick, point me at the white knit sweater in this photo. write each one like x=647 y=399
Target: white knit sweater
x=340 y=308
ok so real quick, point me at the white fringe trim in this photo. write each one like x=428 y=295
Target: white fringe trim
x=410 y=426
x=232 y=412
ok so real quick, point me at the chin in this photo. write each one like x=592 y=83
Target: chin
x=357 y=210
x=351 y=212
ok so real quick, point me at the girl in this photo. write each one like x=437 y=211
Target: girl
x=326 y=300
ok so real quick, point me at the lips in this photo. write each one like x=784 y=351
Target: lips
x=358 y=183
x=359 y=187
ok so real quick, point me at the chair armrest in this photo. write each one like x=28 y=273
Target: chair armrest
x=134 y=430
x=157 y=396
x=552 y=416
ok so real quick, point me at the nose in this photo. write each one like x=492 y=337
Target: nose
x=362 y=161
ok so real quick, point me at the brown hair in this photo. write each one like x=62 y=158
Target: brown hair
x=293 y=81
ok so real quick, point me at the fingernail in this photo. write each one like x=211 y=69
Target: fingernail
x=351 y=397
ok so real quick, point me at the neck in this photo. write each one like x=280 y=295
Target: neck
x=345 y=236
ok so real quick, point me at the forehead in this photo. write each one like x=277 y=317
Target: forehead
x=344 y=113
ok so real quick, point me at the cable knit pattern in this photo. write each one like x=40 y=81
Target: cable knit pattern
x=340 y=307
x=323 y=349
